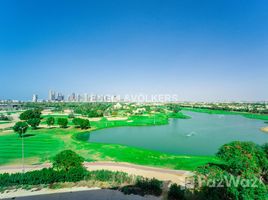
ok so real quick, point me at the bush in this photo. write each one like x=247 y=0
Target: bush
x=150 y=186
x=63 y=122
x=44 y=176
x=50 y=176
x=144 y=187
x=109 y=176
x=3 y=117
x=176 y=192
x=71 y=116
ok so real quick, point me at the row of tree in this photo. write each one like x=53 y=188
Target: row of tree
x=33 y=118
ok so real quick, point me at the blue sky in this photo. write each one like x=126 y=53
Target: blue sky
x=199 y=50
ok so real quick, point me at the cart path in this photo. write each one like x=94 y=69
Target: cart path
x=176 y=176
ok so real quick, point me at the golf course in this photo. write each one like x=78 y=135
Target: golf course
x=41 y=144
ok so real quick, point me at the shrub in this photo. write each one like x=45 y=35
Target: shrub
x=44 y=176
x=63 y=122
x=176 y=192
x=3 y=117
x=109 y=176
x=50 y=176
x=71 y=116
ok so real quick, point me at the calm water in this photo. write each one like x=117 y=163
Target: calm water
x=203 y=134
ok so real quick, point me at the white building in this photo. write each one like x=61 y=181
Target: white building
x=35 y=98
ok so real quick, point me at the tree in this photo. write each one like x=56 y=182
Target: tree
x=82 y=123
x=20 y=128
x=244 y=163
x=50 y=121
x=30 y=114
x=243 y=157
x=174 y=108
x=34 y=122
x=63 y=122
x=76 y=121
x=66 y=160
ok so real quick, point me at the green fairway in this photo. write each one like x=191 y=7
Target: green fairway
x=39 y=145
x=45 y=143
x=4 y=122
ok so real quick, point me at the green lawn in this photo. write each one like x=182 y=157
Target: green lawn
x=42 y=145
x=4 y=122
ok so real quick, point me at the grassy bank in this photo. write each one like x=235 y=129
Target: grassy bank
x=224 y=112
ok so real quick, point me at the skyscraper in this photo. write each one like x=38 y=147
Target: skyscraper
x=35 y=98
x=51 y=95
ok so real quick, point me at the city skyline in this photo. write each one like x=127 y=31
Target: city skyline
x=200 y=51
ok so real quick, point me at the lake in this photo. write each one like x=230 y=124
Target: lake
x=203 y=134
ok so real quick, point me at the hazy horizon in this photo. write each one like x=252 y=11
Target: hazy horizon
x=199 y=50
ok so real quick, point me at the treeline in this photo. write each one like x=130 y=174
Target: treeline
x=258 y=108
x=91 y=109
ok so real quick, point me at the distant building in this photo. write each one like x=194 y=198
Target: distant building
x=35 y=98
x=72 y=97
x=60 y=97
x=51 y=95
x=55 y=96
x=85 y=97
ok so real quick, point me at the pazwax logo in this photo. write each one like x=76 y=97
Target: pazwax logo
x=224 y=181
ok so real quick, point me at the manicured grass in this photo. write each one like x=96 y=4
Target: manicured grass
x=45 y=143
x=224 y=112
x=40 y=143
x=4 y=122
x=144 y=120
